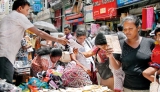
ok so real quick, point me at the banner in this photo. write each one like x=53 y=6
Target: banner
x=103 y=9
x=75 y=21
x=125 y=2
x=94 y=28
x=88 y=11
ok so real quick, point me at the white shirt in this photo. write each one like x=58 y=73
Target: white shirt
x=12 y=29
x=82 y=59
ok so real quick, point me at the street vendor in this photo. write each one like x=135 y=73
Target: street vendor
x=12 y=28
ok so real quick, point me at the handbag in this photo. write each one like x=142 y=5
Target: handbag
x=103 y=68
x=65 y=57
x=154 y=86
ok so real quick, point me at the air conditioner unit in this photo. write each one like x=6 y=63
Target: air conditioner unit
x=135 y=11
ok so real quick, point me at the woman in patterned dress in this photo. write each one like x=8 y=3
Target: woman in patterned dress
x=46 y=59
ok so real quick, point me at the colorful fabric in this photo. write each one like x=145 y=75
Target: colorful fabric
x=75 y=76
x=156 y=54
x=155 y=65
x=147 y=18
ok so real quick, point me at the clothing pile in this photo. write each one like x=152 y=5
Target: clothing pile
x=75 y=76
x=49 y=79
x=7 y=87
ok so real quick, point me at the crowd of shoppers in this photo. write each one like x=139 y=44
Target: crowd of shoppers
x=131 y=71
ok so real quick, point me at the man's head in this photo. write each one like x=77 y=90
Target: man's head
x=157 y=34
x=67 y=30
x=21 y=6
x=119 y=27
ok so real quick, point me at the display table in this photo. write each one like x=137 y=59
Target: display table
x=91 y=88
x=21 y=74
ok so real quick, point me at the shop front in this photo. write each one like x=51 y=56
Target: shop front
x=105 y=12
x=149 y=15
x=74 y=19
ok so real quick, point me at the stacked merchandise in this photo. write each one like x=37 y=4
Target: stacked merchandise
x=21 y=69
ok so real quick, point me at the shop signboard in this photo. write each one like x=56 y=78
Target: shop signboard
x=74 y=16
x=88 y=11
x=103 y=9
x=37 y=1
x=121 y=3
x=75 y=21
x=36 y=7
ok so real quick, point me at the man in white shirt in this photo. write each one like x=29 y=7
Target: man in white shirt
x=12 y=29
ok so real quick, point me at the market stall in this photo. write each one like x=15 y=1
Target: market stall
x=53 y=81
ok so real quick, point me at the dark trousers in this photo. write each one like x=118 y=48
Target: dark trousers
x=6 y=69
x=33 y=53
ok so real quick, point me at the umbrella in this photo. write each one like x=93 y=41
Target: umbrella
x=45 y=25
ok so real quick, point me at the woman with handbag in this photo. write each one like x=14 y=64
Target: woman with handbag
x=101 y=60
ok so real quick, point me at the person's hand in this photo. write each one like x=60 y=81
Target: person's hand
x=75 y=50
x=109 y=51
x=87 y=71
x=62 y=41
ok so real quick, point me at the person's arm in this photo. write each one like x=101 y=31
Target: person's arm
x=73 y=57
x=73 y=53
x=113 y=62
x=88 y=53
x=46 y=36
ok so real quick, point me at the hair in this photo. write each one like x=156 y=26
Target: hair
x=120 y=27
x=156 y=30
x=48 y=32
x=135 y=19
x=100 y=39
x=81 y=32
x=67 y=26
x=49 y=50
x=104 y=29
x=19 y=3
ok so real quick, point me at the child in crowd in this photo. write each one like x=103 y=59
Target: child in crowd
x=155 y=58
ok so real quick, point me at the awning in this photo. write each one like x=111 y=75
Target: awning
x=75 y=21
x=78 y=23
x=138 y=11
